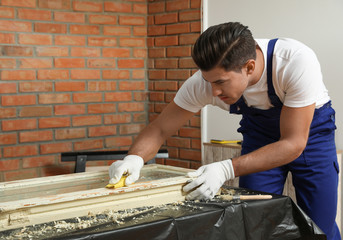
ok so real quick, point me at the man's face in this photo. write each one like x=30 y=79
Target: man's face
x=227 y=85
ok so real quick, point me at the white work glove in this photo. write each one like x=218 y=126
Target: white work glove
x=209 y=179
x=130 y=165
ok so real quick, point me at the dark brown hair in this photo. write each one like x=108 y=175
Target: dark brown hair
x=227 y=45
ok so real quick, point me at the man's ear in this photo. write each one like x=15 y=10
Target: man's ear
x=250 y=66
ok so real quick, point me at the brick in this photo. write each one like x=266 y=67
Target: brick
x=52 y=51
x=7 y=139
x=132 y=20
x=166 y=85
x=196 y=144
x=56 y=122
x=8 y=88
x=132 y=42
x=178 y=74
x=16 y=51
x=35 y=87
x=150 y=41
x=157 y=52
x=187 y=63
x=7 y=63
x=195 y=3
x=177 y=163
x=140 y=96
x=116 y=52
x=19 y=3
x=131 y=63
x=7 y=38
x=69 y=63
x=140 y=8
x=189 y=15
x=102 y=19
x=118 y=7
x=84 y=29
x=55 y=148
x=118 y=141
x=138 y=74
x=130 y=107
x=156 y=30
x=57 y=170
x=166 y=41
x=15 y=26
x=53 y=98
x=86 y=120
x=89 y=6
x=8 y=165
x=131 y=129
x=190 y=132
x=35 y=63
x=140 y=31
x=156 y=7
x=166 y=63
x=88 y=145
x=87 y=97
x=50 y=28
x=131 y=85
x=156 y=96
x=101 y=63
x=85 y=74
x=101 y=108
x=20 y=124
x=179 y=142
x=53 y=74
x=36 y=111
x=184 y=51
x=140 y=117
x=188 y=39
x=115 y=74
x=34 y=14
x=117 y=119
x=102 y=131
x=19 y=100
x=117 y=30
x=38 y=161
x=70 y=86
x=194 y=155
x=55 y=4
x=102 y=41
x=178 y=28
x=7 y=113
x=69 y=17
x=37 y=136
x=61 y=134
x=159 y=107
x=6 y=12
x=35 y=39
x=196 y=26
x=74 y=109
x=101 y=86
x=70 y=40
x=157 y=74
x=20 y=174
x=177 y=5
x=166 y=18
x=85 y=52
x=118 y=97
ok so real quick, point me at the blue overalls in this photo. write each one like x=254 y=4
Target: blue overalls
x=315 y=171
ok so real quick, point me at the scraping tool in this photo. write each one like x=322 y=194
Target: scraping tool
x=245 y=197
x=119 y=184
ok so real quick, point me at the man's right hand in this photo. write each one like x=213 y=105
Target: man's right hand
x=130 y=165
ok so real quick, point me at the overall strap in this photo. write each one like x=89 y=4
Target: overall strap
x=271 y=91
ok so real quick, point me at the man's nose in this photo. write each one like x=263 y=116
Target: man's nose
x=216 y=90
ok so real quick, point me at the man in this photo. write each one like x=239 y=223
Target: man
x=287 y=120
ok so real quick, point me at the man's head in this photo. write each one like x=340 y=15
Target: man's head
x=228 y=46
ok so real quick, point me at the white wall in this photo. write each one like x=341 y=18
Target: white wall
x=317 y=23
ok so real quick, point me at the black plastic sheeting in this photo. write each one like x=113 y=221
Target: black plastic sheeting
x=278 y=218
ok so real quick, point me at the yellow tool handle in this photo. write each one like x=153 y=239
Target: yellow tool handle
x=226 y=141
x=119 y=184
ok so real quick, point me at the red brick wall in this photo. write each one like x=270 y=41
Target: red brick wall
x=173 y=27
x=74 y=78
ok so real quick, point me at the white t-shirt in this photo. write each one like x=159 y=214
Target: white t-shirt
x=297 y=81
